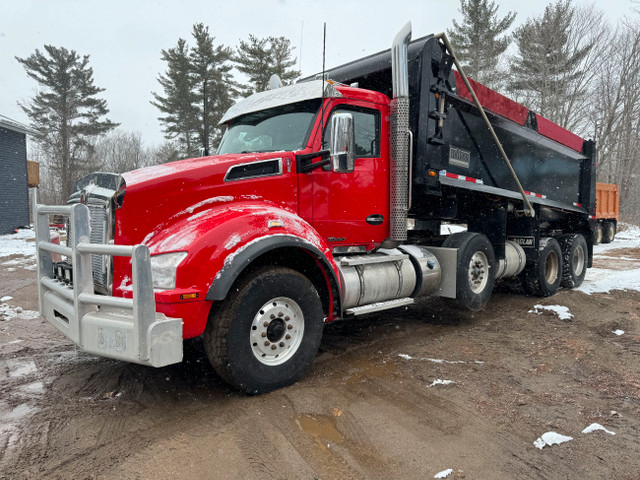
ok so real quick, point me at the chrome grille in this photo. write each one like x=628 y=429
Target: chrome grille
x=99 y=231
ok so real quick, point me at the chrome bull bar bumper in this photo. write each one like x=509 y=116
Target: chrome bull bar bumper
x=121 y=328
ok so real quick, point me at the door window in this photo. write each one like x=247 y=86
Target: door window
x=366 y=130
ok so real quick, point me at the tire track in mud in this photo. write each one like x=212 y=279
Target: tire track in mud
x=87 y=420
x=327 y=438
x=510 y=439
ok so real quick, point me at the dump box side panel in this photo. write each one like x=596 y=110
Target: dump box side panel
x=450 y=135
x=608 y=203
x=549 y=161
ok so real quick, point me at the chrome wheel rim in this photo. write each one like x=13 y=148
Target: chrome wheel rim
x=551 y=268
x=478 y=272
x=276 y=331
x=578 y=261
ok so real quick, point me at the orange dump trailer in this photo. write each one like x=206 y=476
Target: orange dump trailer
x=607 y=212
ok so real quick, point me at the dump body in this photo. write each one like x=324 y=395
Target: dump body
x=556 y=167
x=608 y=204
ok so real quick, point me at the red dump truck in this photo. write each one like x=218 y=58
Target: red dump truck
x=324 y=202
x=607 y=212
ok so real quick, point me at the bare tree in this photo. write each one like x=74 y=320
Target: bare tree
x=122 y=152
x=616 y=115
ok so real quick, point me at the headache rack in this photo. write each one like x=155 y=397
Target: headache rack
x=121 y=328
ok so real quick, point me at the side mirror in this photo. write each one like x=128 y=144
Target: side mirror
x=342 y=143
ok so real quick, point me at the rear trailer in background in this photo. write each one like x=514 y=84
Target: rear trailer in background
x=607 y=212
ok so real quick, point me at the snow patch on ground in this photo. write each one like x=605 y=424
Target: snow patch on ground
x=551 y=438
x=441 y=382
x=562 y=312
x=444 y=473
x=21 y=368
x=618 y=332
x=595 y=427
x=6 y=299
x=438 y=360
x=603 y=280
x=8 y=312
x=20 y=243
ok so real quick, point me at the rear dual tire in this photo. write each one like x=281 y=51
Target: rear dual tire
x=608 y=232
x=574 y=260
x=542 y=277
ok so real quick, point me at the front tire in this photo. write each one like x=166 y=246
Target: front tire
x=475 y=271
x=267 y=334
x=541 y=278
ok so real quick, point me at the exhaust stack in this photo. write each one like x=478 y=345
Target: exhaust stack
x=399 y=141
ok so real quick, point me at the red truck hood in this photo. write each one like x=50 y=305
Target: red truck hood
x=155 y=194
x=189 y=168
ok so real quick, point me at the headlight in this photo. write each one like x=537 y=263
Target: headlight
x=163 y=269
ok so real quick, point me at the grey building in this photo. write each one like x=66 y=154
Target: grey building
x=14 y=183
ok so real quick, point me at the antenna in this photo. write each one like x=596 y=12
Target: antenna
x=301 y=39
x=324 y=47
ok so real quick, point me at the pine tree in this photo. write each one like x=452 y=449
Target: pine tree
x=180 y=118
x=546 y=66
x=213 y=82
x=66 y=114
x=280 y=50
x=198 y=89
x=259 y=59
x=481 y=39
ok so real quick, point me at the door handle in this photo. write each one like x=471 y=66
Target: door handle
x=375 y=219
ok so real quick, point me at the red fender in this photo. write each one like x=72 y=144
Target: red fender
x=222 y=241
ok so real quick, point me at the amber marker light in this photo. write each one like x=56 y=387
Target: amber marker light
x=275 y=224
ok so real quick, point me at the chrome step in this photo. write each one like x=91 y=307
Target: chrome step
x=371 y=259
x=380 y=306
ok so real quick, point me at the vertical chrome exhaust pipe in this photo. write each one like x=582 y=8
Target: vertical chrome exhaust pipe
x=399 y=141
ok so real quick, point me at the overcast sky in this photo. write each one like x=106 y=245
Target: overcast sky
x=124 y=38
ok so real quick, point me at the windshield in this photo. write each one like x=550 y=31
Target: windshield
x=283 y=128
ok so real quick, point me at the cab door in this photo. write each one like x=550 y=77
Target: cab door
x=352 y=209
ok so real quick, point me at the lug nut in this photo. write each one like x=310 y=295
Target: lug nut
x=264 y=334
x=266 y=324
x=286 y=319
x=289 y=326
x=274 y=346
x=281 y=344
x=267 y=343
x=280 y=314
x=272 y=316
x=287 y=337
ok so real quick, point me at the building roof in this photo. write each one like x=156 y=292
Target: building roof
x=9 y=124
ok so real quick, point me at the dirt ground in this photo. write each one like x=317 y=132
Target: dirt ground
x=376 y=404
